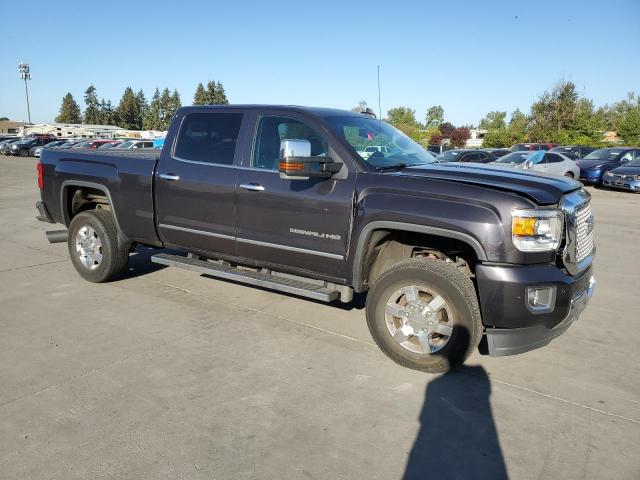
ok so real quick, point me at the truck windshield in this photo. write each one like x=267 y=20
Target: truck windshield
x=378 y=143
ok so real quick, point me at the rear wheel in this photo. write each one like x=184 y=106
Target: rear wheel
x=424 y=315
x=93 y=244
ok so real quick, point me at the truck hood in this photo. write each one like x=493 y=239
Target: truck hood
x=543 y=189
x=587 y=164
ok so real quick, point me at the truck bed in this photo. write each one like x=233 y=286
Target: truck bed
x=125 y=176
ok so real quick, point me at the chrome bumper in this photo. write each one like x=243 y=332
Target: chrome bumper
x=624 y=184
x=512 y=341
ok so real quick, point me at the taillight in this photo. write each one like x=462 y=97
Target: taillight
x=40 y=176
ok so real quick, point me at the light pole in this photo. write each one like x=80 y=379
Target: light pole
x=25 y=75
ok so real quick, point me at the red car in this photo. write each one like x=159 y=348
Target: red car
x=98 y=143
x=522 y=147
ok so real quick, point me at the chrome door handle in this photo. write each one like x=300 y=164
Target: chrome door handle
x=169 y=176
x=253 y=187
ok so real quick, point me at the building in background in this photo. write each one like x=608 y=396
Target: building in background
x=476 y=137
x=8 y=127
x=68 y=130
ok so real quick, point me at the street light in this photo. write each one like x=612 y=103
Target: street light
x=25 y=74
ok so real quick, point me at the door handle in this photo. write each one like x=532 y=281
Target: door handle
x=253 y=187
x=169 y=176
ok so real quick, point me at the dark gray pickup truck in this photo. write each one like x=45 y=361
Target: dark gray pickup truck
x=451 y=257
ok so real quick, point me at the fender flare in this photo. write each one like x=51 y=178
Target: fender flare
x=369 y=228
x=82 y=183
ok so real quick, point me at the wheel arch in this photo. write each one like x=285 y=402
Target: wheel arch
x=374 y=234
x=69 y=186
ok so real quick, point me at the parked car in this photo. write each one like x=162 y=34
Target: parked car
x=94 y=144
x=521 y=147
x=23 y=146
x=465 y=155
x=4 y=145
x=35 y=151
x=437 y=248
x=626 y=177
x=497 y=152
x=598 y=162
x=550 y=163
x=438 y=149
x=69 y=144
x=573 y=151
x=133 y=144
x=112 y=144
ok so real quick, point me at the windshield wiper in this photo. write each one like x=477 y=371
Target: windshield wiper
x=397 y=166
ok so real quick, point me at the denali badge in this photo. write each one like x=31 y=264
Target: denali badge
x=330 y=236
x=589 y=222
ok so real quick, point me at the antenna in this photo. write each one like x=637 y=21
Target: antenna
x=379 y=104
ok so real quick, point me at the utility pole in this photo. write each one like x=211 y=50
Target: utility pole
x=25 y=74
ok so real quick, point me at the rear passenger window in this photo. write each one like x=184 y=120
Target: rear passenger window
x=553 y=158
x=208 y=137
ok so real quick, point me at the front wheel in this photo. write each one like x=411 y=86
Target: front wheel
x=95 y=251
x=424 y=315
x=23 y=152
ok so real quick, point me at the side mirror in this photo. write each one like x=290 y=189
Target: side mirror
x=528 y=164
x=296 y=162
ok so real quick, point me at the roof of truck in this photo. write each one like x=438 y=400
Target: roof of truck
x=319 y=111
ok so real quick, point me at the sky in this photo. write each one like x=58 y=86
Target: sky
x=471 y=57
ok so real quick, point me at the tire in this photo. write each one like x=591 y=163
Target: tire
x=113 y=255
x=460 y=316
x=23 y=152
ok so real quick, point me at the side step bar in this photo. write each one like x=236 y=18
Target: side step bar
x=265 y=280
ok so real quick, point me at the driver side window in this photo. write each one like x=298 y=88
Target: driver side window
x=627 y=157
x=272 y=129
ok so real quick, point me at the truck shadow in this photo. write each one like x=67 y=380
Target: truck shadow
x=140 y=263
x=457 y=437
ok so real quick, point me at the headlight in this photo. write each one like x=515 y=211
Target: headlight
x=637 y=177
x=608 y=174
x=536 y=230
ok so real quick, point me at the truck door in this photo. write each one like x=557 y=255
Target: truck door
x=300 y=224
x=196 y=180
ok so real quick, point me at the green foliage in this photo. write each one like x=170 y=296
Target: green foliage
x=153 y=121
x=92 y=114
x=4 y=119
x=361 y=106
x=107 y=115
x=143 y=105
x=626 y=119
x=497 y=138
x=200 y=97
x=494 y=121
x=69 y=110
x=435 y=116
x=128 y=114
x=402 y=116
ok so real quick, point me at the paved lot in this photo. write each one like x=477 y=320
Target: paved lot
x=167 y=374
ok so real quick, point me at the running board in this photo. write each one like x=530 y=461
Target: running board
x=249 y=277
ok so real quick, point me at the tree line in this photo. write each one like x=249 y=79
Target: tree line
x=134 y=112
x=560 y=115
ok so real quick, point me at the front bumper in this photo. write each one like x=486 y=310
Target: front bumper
x=629 y=184
x=511 y=326
x=591 y=178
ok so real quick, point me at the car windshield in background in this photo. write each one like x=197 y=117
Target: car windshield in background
x=514 y=158
x=126 y=144
x=449 y=156
x=604 y=154
x=633 y=163
x=394 y=148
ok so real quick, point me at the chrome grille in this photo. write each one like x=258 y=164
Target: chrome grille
x=579 y=242
x=584 y=235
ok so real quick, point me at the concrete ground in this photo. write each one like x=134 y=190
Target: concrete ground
x=167 y=374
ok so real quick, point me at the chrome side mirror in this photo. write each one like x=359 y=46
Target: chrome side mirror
x=296 y=162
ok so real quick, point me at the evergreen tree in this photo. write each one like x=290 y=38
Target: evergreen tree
x=143 y=105
x=222 y=95
x=152 y=120
x=92 y=114
x=165 y=109
x=69 y=110
x=215 y=94
x=128 y=113
x=200 y=97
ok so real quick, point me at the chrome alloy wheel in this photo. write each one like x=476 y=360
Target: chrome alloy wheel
x=419 y=319
x=89 y=247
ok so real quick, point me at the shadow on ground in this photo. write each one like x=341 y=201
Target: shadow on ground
x=457 y=437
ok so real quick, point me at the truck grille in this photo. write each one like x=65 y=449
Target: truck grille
x=579 y=242
x=584 y=236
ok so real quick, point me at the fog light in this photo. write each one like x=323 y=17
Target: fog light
x=541 y=299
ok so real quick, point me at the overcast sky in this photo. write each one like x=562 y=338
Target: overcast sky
x=468 y=56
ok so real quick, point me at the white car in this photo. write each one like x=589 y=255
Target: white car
x=552 y=163
x=370 y=150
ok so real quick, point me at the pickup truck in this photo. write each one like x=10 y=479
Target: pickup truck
x=450 y=258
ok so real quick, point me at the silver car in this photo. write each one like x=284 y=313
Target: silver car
x=552 y=163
